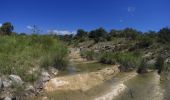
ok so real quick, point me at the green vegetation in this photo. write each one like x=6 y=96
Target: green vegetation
x=25 y=55
x=142 y=67
x=164 y=35
x=6 y=29
x=160 y=64
x=89 y=55
x=128 y=61
x=108 y=58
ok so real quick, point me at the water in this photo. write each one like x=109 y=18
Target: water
x=143 y=87
x=82 y=68
x=121 y=87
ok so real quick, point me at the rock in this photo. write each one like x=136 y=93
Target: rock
x=147 y=55
x=1 y=83
x=167 y=60
x=16 y=79
x=45 y=98
x=151 y=62
x=7 y=98
x=54 y=71
x=30 y=88
x=6 y=83
x=45 y=76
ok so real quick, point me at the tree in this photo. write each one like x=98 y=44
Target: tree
x=130 y=33
x=81 y=35
x=114 y=33
x=6 y=28
x=164 y=35
x=98 y=35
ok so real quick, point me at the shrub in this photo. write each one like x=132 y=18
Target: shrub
x=89 y=55
x=164 y=35
x=159 y=64
x=144 y=42
x=142 y=67
x=98 y=35
x=128 y=61
x=21 y=54
x=108 y=58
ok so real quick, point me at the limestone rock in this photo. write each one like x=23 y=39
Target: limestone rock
x=16 y=79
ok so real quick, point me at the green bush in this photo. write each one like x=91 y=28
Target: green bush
x=159 y=64
x=128 y=61
x=108 y=58
x=142 y=67
x=89 y=55
x=21 y=54
x=164 y=35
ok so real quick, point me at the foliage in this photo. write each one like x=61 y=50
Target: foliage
x=108 y=58
x=164 y=35
x=6 y=28
x=142 y=67
x=144 y=42
x=130 y=33
x=159 y=64
x=21 y=54
x=98 y=35
x=81 y=35
x=128 y=61
x=89 y=55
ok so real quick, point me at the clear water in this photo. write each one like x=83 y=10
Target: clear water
x=141 y=87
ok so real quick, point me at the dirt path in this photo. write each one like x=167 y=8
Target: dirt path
x=75 y=57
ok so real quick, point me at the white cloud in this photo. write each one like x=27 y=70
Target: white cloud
x=29 y=27
x=131 y=9
x=60 y=32
x=0 y=24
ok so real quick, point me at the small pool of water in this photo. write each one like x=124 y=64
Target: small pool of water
x=87 y=95
x=82 y=68
x=141 y=87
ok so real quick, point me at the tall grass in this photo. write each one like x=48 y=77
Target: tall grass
x=128 y=60
x=89 y=55
x=21 y=54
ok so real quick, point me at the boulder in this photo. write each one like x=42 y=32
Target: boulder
x=7 y=98
x=16 y=79
x=1 y=83
x=45 y=76
x=6 y=83
x=151 y=62
x=54 y=71
x=30 y=88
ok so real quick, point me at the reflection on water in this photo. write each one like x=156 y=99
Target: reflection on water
x=82 y=68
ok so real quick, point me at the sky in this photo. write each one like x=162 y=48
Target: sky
x=66 y=16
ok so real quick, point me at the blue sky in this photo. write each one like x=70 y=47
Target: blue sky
x=69 y=15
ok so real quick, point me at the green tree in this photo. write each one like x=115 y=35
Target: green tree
x=6 y=28
x=164 y=35
x=81 y=34
x=130 y=33
x=98 y=35
x=114 y=33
